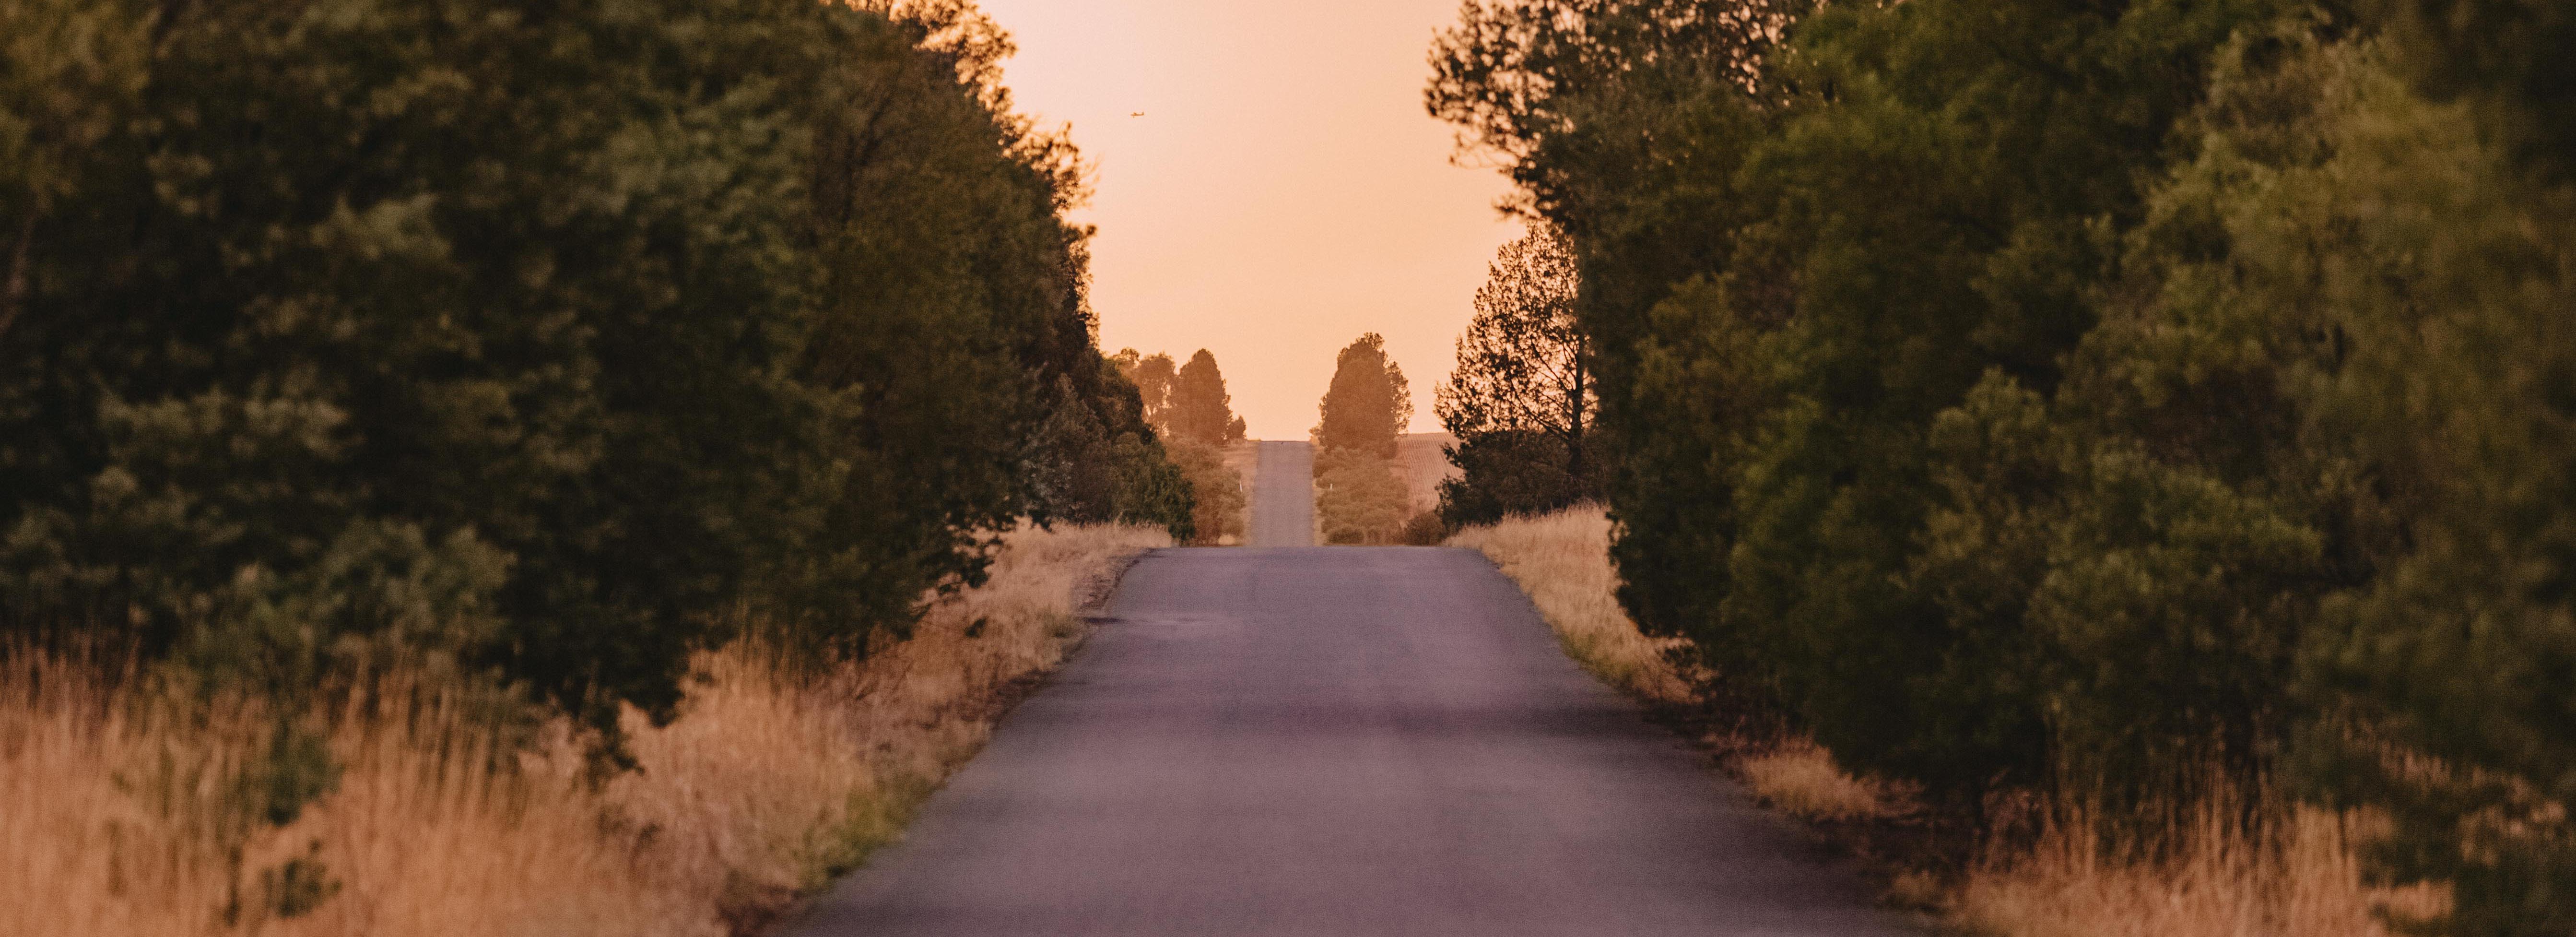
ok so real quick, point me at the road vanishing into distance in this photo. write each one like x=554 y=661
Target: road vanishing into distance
x=1335 y=741
x=1283 y=496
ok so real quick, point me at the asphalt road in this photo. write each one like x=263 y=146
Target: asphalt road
x=1283 y=495
x=1335 y=741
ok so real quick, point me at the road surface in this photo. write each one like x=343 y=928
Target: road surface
x=1335 y=741
x=1283 y=495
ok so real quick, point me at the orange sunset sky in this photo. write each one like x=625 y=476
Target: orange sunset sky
x=1283 y=192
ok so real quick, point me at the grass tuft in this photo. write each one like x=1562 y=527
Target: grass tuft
x=1799 y=778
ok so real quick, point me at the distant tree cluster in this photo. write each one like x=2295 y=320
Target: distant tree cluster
x=1359 y=498
x=1188 y=402
x=560 y=340
x=1521 y=401
x=1190 y=409
x=2099 y=398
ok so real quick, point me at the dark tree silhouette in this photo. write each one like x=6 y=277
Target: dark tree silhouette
x=1521 y=400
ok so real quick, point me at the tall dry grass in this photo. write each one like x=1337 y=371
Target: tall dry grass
x=1562 y=561
x=125 y=817
x=2301 y=877
x=2078 y=877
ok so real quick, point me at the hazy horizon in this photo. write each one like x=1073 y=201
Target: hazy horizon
x=1282 y=193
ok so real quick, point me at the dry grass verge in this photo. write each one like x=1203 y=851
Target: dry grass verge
x=2303 y=878
x=1562 y=561
x=125 y=818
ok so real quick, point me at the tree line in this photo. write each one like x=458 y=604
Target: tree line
x=2129 y=401
x=557 y=341
x=1189 y=408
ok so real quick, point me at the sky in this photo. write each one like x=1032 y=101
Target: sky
x=1283 y=192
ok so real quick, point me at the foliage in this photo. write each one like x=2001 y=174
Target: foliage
x=1153 y=376
x=1216 y=489
x=1191 y=411
x=1520 y=401
x=1425 y=529
x=1359 y=499
x=1201 y=411
x=2068 y=395
x=1368 y=405
x=544 y=338
x=1094 y=461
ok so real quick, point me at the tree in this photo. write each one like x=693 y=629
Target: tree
x=1217 y=496
x=2111 y=398
x=1521 y=400
x=1094 y=461
x=1201 y=411
x=1528 y=80
x=1153 y=376
x=1358 y=498
x=1195 y=419
x=1368 y=405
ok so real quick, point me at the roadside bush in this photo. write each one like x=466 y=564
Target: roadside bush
x=1425 y=529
